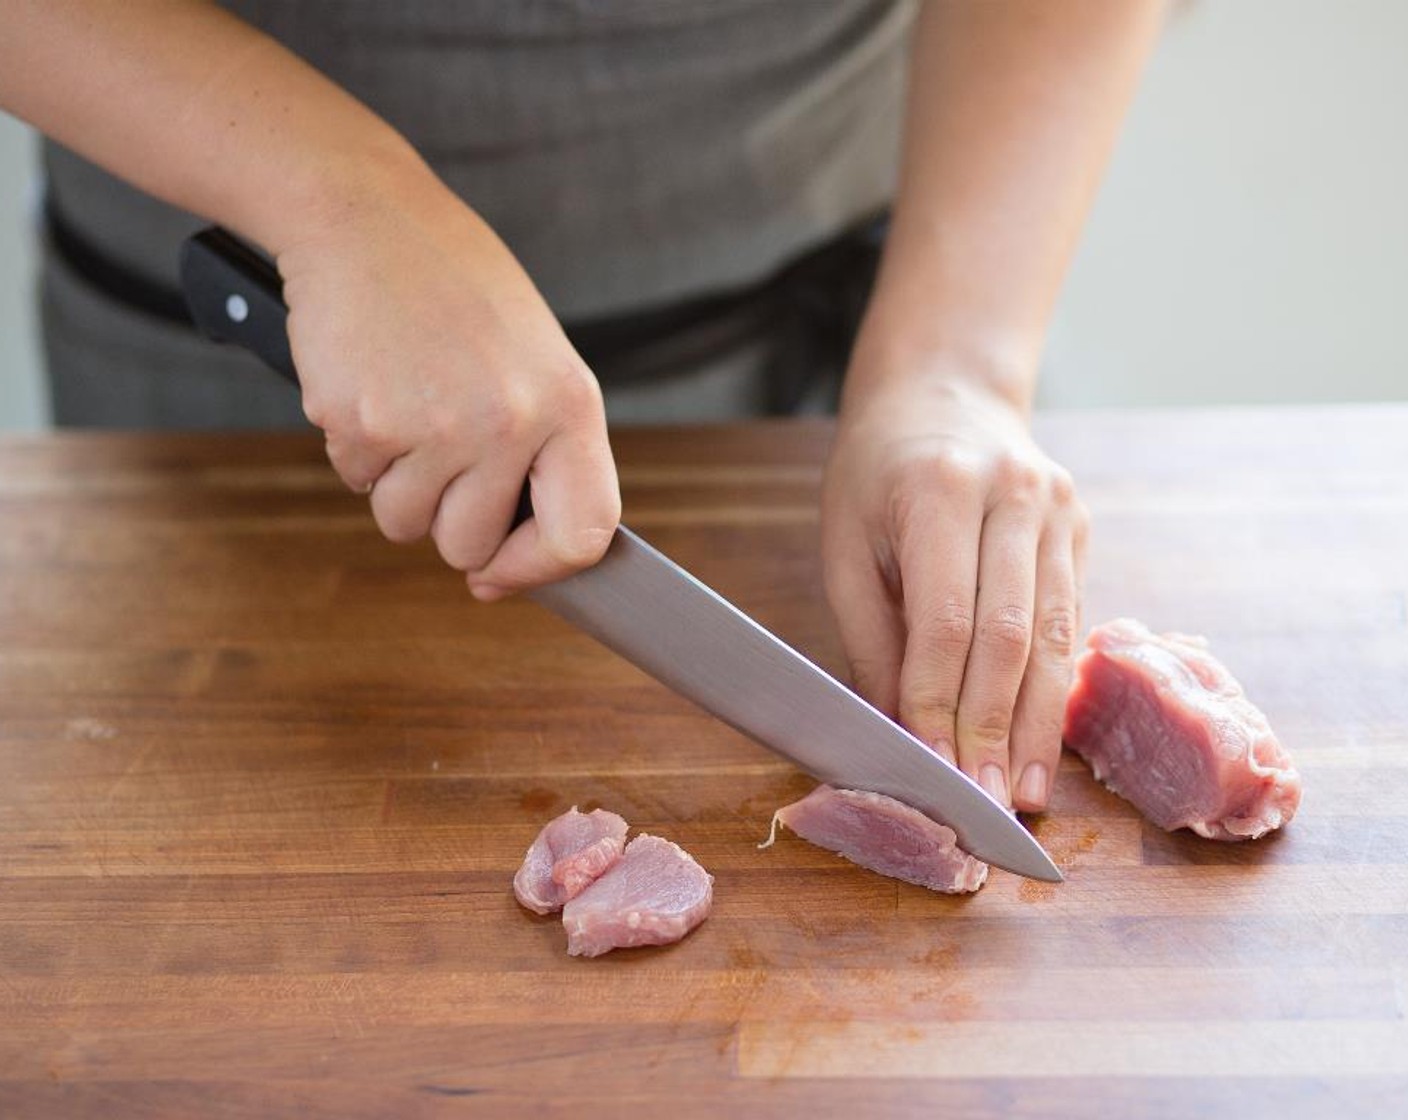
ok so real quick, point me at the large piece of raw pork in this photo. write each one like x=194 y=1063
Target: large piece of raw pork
x=1164 y=725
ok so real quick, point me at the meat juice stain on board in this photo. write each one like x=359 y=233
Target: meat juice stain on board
x=539 y=800
x=746 y=957
x=1032 y=891
x=1065 y=853
x=940 y=956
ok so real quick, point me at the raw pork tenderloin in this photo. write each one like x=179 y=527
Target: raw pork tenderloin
x=1164 y=725
x=883 y=835
x=568 y=855
x=653 y=895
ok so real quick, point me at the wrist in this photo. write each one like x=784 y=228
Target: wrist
x=344 y=189
x=887 y=357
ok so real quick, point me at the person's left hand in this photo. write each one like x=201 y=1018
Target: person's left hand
x=953 y=549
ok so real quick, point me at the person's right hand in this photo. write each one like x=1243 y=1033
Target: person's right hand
x=434 y=367
x=442 y=380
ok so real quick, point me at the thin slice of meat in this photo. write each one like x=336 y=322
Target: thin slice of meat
x=1164 y=725
x=653 y=895
x=884 y=835
x=568 y=855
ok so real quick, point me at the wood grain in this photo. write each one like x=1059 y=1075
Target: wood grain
x=264 y=779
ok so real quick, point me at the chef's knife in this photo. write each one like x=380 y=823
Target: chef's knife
x=640 y=604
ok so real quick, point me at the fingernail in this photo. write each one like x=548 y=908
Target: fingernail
x=1031 y=790
x=487 y=592
x=992 y=779
x=945 y=748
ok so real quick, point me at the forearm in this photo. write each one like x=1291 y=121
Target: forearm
x=435 y=369
x=191 y=105
x=1013 y=109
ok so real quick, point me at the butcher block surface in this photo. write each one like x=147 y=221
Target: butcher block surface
x=265 y=779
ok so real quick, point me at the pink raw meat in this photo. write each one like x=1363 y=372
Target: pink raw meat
x=884 y=835
x=1164 y=725
x=653 y=895
x=568 y=855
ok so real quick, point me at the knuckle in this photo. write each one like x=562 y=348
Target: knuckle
x=351 y=478
x=915 y=481
x=578 y=391
x=990 y=728
x=504 y=418
x=398 y=530
x=398 y=514
x=461 y=552
x=928 y=706
x=369 y=424
x=399 y=534
x=355 y=476
x=1007 y=631
x=1056 y=631
x=317 y=409
x=1021 y=479
x=460 y=556
x=450 y=550
x=949 y=627
x=1062 y=487
x=1081 y=513
x=578 y=549
x=946 y=470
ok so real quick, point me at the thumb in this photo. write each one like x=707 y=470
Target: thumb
x=576 y=508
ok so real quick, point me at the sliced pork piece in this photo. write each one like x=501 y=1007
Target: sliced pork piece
x=1164 y=725
x=884 y=835
x=569 y=853
x=653 y=895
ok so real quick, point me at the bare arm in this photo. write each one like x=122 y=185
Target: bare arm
x=425 y=353
x=952 y=544
x=194 y=106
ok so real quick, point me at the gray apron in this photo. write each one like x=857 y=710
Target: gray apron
x=642 y=158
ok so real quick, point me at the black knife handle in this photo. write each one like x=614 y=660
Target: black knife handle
x=235 y=295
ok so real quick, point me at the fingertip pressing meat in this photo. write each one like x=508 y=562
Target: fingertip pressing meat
x=1164 y=724
x=569 y=853
x=884 y=835
x=653 y=895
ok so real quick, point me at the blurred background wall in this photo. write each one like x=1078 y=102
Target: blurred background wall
x=1250 y=243
x=1251 y=240
x=22 y=403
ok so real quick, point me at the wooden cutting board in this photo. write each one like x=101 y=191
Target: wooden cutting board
x=264 y=779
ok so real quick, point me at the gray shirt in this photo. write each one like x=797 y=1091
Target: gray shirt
x=630 y=152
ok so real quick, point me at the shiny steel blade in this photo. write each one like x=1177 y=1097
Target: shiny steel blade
x=652 y=612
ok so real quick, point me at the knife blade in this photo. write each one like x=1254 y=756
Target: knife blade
x=656 y=615
x=640 y=604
